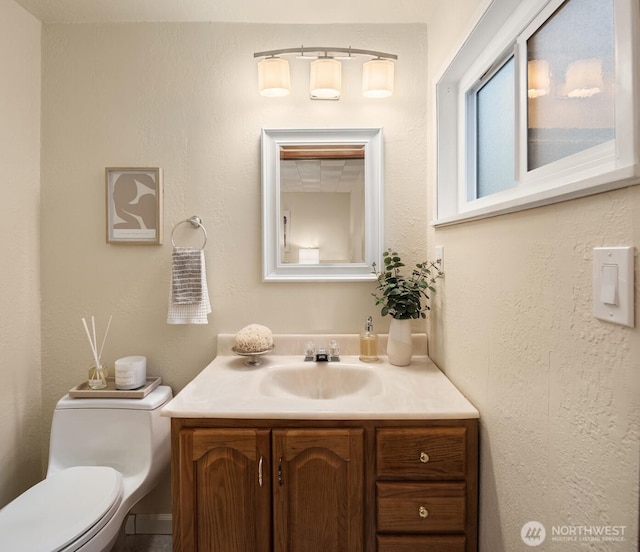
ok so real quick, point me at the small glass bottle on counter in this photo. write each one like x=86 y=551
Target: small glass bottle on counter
x=368 y=343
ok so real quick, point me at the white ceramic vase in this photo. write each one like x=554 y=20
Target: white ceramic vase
x=399 y=345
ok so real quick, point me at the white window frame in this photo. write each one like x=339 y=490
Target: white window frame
x=500 y=31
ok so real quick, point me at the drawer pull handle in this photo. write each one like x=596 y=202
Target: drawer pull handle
x=424 y=457
x=260 y=471
x=423 y=512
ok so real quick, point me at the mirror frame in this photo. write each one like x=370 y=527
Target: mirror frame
x=273 y=269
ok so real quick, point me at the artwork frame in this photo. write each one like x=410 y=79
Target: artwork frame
x=130 y=220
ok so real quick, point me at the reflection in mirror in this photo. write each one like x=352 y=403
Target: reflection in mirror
x=323 y=187
x=322 y=204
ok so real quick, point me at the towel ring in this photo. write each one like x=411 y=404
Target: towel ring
x=194 y=221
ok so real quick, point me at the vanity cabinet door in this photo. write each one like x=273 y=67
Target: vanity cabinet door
x=228 y=472
x=318 y=490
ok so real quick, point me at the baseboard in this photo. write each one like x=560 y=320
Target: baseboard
x=148 y=524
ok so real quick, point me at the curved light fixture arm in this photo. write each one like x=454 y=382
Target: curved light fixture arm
x=306 y=50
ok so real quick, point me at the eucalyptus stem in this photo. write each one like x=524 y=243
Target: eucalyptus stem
x=402 y=297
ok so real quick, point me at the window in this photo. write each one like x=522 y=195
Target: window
x=539 y=106
x=570 y=82
x=493 y=109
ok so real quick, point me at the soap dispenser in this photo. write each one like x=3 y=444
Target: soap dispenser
x=368 y=343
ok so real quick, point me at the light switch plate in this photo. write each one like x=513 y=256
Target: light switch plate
x=613 y=298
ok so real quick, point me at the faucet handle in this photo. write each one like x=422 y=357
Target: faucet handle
x=334 y=349
x=309 y=350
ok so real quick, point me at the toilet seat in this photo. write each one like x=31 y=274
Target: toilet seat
x=63 y=511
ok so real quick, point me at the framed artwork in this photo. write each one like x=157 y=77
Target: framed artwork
x=134 y=205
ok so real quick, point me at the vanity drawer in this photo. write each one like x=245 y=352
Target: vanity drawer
x=421 y=543
x=430 y=453
x=420 y=507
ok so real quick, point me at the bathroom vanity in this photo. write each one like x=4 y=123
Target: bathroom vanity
x=345 y=456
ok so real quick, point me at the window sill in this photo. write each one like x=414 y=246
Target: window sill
x=621 y=178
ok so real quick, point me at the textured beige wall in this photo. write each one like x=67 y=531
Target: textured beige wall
x=184 y=97
x=20 y=413
x=558 y=391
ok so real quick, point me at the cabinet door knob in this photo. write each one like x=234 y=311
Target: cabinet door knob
x=260 y=471
x=424 y=457
x=423 y=512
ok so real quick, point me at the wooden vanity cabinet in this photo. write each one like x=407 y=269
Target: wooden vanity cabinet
x=324 y=486
x=245 y=490
x=426 y=489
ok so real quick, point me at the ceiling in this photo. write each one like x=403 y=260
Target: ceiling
x=322 y=175
x=241 y=11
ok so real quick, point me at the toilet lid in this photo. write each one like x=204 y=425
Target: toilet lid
x=60 y=509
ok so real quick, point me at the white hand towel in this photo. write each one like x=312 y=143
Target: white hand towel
x=188 y=293
x=186 y=275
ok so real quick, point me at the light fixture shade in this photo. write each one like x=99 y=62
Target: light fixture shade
x=584 y=78
x=538 y=78
x=326 y=79
x=377 y=78
x=273 y=77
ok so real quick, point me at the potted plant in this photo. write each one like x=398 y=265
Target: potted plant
x=404 y=298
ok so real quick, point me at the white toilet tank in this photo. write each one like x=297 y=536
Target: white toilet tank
x=105 y=455
x=126 y=434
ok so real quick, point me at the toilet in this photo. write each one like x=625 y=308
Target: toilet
x=105 y=454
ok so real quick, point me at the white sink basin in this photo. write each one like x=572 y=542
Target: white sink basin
x=320 y=380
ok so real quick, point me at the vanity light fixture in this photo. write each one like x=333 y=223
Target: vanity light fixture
x=325 y=82
x=377 y=78
x=325 y=79
x=273 y=77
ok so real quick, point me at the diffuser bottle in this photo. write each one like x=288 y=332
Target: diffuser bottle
x=97 y=376
x=368 y=343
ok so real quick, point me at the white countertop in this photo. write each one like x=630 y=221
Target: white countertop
x=227 y=388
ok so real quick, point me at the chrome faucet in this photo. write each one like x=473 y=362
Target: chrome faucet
x=321 y=354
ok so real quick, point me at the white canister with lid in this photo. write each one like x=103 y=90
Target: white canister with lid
x=131 y=372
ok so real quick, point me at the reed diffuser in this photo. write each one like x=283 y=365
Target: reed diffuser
x=97 y=372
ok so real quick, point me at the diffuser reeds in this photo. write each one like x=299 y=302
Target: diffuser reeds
x=97 y=353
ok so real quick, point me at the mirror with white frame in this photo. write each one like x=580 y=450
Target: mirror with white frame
x=321 y=204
